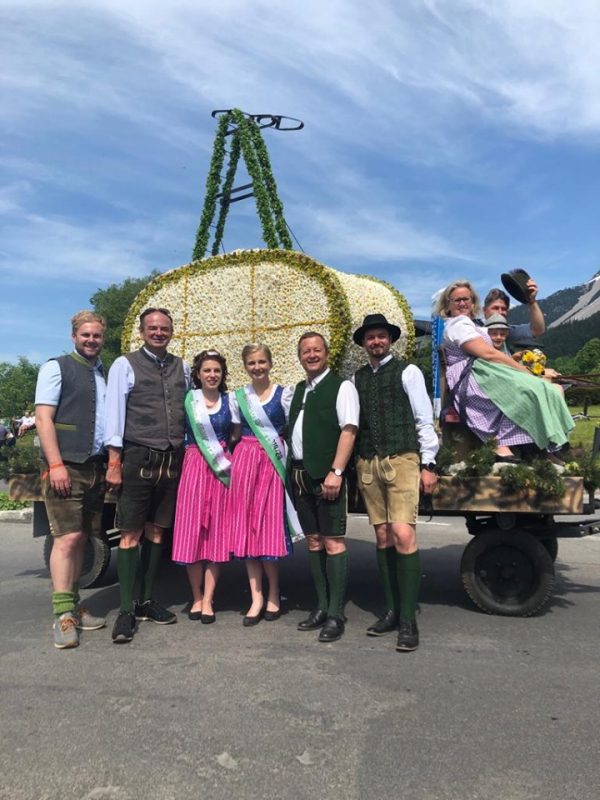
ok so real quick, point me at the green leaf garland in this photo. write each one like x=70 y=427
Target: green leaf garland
x=246 y=140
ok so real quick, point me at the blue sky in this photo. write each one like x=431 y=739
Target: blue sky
x=441 y=139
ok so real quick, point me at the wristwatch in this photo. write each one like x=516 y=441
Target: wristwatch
x=429 y=467
x=336 y=471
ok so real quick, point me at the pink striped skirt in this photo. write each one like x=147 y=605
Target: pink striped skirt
x=255 y=504
x=201 y=532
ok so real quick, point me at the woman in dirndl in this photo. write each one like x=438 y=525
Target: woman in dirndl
x=200 y=532
x=496 y=397
x=261 y=515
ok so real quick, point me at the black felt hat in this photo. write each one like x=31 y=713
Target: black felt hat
x=515 y=283
x=375 y=321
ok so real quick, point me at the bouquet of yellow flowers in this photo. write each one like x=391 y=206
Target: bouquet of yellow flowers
x=534 y=360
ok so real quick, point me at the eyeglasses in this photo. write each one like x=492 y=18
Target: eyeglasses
x=457 y=300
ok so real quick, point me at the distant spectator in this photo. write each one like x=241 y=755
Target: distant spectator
x=26 y=423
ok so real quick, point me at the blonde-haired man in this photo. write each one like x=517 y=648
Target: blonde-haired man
x=69 y=416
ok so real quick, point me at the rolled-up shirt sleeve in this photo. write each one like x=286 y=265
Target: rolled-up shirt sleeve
x=347 y=405
x=49 y=384
x=459 y=330
x=413 y=383
x=120 y=383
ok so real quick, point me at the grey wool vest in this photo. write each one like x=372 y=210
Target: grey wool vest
x=75 y=417
x=155 y=412
x=387 y=424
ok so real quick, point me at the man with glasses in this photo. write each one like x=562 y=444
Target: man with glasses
x=144 y=437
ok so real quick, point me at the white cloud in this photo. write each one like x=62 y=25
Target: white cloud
x=51 y=249
x=359 y=235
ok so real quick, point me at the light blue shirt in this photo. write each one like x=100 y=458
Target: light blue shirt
x=522 y=331
x=49 y=387
x=121 y=380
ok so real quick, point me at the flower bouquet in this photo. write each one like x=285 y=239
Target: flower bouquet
x=534 y=360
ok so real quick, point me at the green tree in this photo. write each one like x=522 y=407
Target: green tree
x=588 y=358
x=564 y=364
x=113 y=303
x=17 y=386
x=422 y=358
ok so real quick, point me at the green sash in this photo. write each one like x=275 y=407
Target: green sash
x=275 y=448
x=206 y=438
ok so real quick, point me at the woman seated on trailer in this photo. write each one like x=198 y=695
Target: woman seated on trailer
x=495 y=396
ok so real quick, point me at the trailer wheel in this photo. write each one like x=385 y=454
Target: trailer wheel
x=96 y=559
x=551 y=545
x=510 y=574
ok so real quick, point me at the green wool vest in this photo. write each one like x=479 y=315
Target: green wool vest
x=320 y=426
x=387 y=424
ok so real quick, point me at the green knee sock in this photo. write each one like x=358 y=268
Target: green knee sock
x=150 y=559
x=127 y=567
x=317 y=560
x=391 y=558
x=387 y=573
x=76 y=597
x=408 y=569
x=337 y=576
x=62 y=602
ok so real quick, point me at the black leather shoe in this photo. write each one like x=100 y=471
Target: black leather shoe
x=194 y=615
x=385 y=624
x=314 y=620
x=271 y=616
x=332 y=630
x=408 y=635
x=208 y=619
x=248 y=622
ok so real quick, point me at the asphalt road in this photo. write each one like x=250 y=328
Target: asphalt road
x=488 y=707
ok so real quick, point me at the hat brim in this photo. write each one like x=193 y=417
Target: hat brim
x=359 y=333
x=515 y=284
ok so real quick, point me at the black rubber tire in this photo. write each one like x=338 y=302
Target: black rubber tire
x=551 y=545
x=507 y=573
x=95 y=561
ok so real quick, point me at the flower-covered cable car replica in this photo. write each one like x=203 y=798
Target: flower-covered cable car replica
x=274 y=295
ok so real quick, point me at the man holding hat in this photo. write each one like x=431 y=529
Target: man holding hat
x=396 y=449
x=523 y=288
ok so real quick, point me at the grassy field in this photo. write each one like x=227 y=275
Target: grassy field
x=583 y=433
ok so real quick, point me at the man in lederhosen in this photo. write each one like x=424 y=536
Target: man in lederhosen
x=69 y=417
x=396 y=449
x=144 y=437
x=322 y=430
